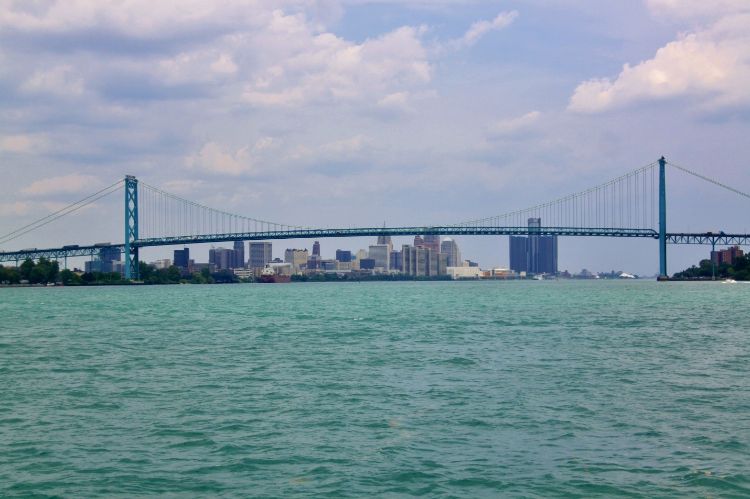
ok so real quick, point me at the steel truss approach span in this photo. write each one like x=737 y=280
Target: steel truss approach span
x=633 y=205
x=709 y=238
x=57 y=253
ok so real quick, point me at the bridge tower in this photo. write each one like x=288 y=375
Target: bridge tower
x=662 y=219
x=131 y=227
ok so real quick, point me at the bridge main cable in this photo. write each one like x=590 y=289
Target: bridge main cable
x=67 y=210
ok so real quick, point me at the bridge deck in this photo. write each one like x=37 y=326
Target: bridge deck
x=709 y=238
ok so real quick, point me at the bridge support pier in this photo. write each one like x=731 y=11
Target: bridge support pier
x=662 y=219
x=131 y=227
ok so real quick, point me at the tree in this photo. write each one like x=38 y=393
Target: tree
x=9 y=275
x=69 y=278
x=173 y=274
x=25 y=269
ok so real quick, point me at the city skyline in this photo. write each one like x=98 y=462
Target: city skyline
x=433 y=113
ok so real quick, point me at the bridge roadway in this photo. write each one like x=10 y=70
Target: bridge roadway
x=673 y=238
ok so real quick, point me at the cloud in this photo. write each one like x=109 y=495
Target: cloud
x=309 y=67
x=213 y=158
x=698 y=9
x=22 y=143
x=60 y=80
x=15 y=209
x=514 y=125
x=710 y=65
x=66 y=184
x=481 y=28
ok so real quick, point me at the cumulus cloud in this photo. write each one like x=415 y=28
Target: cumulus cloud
x=65 y=184
x=698 y=9
x=711 y=64
x=306 y=66
x=481 y=28
x=514 y=125
x=214 y=158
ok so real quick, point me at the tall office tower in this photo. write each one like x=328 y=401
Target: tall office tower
x=110 y=254
x=432 y=242
x=419 y=261
x=221 y=258
x=239 y=255
x=536 y=254
x=406 y=259
x=316 y=248
x=450 y=249
x=418 y=242
x=385 y=240
x=297 y=257
x=518 y=253
x=381 y=254
x=547 y=255
x=182 y=258
x=260 y=254
x=396 y=260
x=343 y=255
x=542 y=250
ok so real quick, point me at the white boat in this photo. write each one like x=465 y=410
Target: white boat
x=729 y=281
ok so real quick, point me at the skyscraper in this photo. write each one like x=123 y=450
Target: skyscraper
x=260 y=254
x=316 y=249
x=238 y=261
x=518 y=253
x=381 y=254
x=182 y=258
x=450 y=249
x=297 y=257
x=535 y=254
x=221 y=258
x=385 y=240
x=432 y=241
x=343 y=255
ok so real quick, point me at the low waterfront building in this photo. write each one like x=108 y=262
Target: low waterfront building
x=457 y=273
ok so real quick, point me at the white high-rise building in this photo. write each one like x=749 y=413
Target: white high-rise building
x=450 y=248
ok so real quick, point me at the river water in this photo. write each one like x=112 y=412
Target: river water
x=444 y=389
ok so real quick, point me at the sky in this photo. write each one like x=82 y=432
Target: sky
x=338 y=113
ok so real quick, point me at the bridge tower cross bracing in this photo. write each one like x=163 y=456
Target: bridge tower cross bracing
x=662 y=218
x=131 y=227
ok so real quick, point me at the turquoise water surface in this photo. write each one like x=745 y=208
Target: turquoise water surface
x=449 y=389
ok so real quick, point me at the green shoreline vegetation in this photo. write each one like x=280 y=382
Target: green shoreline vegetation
x=739 y=271
x=48 y=272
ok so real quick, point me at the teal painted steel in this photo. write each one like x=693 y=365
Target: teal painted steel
x=397 y=231
x=662 y=217
x=57 y=253
x=131 y=227
x=707 y=238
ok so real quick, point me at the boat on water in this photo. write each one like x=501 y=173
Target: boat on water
x=269 y=276
x=729 y=281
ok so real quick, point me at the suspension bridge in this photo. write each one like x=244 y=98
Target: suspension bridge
x=633 y=205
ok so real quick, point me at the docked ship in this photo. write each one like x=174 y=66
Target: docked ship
x=269 y=275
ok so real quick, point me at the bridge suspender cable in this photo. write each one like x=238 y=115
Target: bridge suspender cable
x=71 y=208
